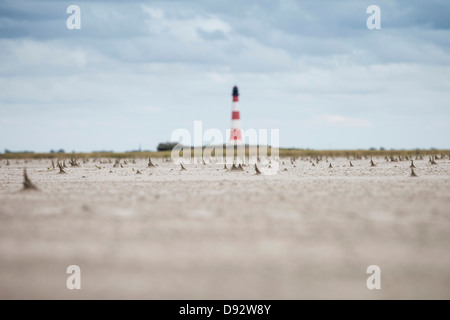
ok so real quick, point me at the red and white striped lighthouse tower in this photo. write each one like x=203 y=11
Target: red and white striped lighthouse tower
x=235 y=134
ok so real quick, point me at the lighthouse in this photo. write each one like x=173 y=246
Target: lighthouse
x=235 y=134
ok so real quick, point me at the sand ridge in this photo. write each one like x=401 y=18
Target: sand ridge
x=208 y=233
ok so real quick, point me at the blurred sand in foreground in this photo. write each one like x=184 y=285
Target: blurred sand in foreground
x=205 y=233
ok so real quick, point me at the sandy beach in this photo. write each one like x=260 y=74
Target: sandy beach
x=208 y=233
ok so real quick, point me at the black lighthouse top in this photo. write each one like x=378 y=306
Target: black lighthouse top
x=235 y=91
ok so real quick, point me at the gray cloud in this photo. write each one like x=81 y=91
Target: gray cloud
x=310 y=68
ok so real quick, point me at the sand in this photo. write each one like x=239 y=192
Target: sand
x=206 y=233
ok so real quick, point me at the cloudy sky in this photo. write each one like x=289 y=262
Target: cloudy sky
x=136 y=71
